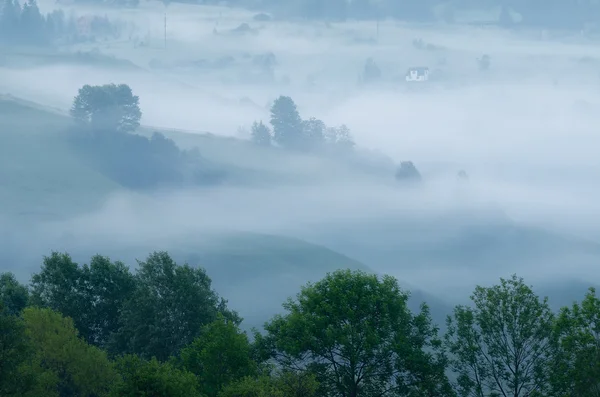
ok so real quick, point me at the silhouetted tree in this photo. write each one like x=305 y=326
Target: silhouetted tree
x=260 y=134
x=287 y=124
x=108 y=107
x=407 y=171
x=313 y=132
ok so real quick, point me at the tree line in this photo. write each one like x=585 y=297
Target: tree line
x=26 y=25
x=290 y=131
x=101 y=329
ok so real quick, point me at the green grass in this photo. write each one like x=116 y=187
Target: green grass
x=254 y=255
x=41 y=177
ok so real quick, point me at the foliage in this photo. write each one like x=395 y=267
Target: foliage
x=93 y=296
x=170 y=305
x=219 y=356
x=357 y=334
x=14 y=351
x=407 y=172
x=340 y=137
x=349 y=334
x=260 y=134
x=107 y=108
x=27 y=26
x=371 y=72
x=576 y=369
x=13 y=295
x=152 y=378
x=64 y=359
x=313 y=131
x=501 y=346
x=286 y=122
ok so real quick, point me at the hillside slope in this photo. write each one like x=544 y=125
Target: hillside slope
x=41 y=176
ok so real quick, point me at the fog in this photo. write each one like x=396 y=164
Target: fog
x=525 y=132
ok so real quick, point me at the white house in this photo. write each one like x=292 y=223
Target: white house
x=417 y=74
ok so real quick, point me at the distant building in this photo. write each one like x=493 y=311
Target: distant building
x=417 y=74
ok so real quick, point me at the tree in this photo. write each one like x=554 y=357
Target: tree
x=286 y=122
x=14 y=351
x=13 y=295
x=152 y=378
x=576 y=369
x=407 y=172
x=107 y=108
x=340 y=137
x=108 y=285
x=356 y=333
x=371 y=72
x=260 y=134
x=314 y=132
x=33 y=23
x=219 y=356
x=501 y=346
x=64 y=360
x=167 y=310
x=93 y=296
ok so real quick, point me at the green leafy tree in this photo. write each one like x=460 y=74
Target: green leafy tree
x=64 y=360
x=260 y=134
x=219 y=356
x=107 y=108
x=356 y=333
x=501 y=346
x=576 y=370
x=169 y=307
x=108 y=285
x=152 y=378
x=14 y=296
x=287 y=124
x=92 y=295
x=14 y=351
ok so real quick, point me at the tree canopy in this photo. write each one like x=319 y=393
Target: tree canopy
x=98 y=330
x=107 y=108
x=356 y=333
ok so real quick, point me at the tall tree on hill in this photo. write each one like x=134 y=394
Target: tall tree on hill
x=107 y=108
x=502 y=346
x=356 y=333
x=286 y=122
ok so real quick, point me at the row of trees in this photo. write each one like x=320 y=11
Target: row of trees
x=25 y=25
x=101 y=330
x=290 y=131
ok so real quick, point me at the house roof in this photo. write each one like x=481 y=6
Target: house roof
x=418 y=69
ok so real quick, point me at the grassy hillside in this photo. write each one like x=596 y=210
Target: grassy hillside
x=40 y=175
x=257 y=272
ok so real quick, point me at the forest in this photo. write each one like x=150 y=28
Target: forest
x=103 y=329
